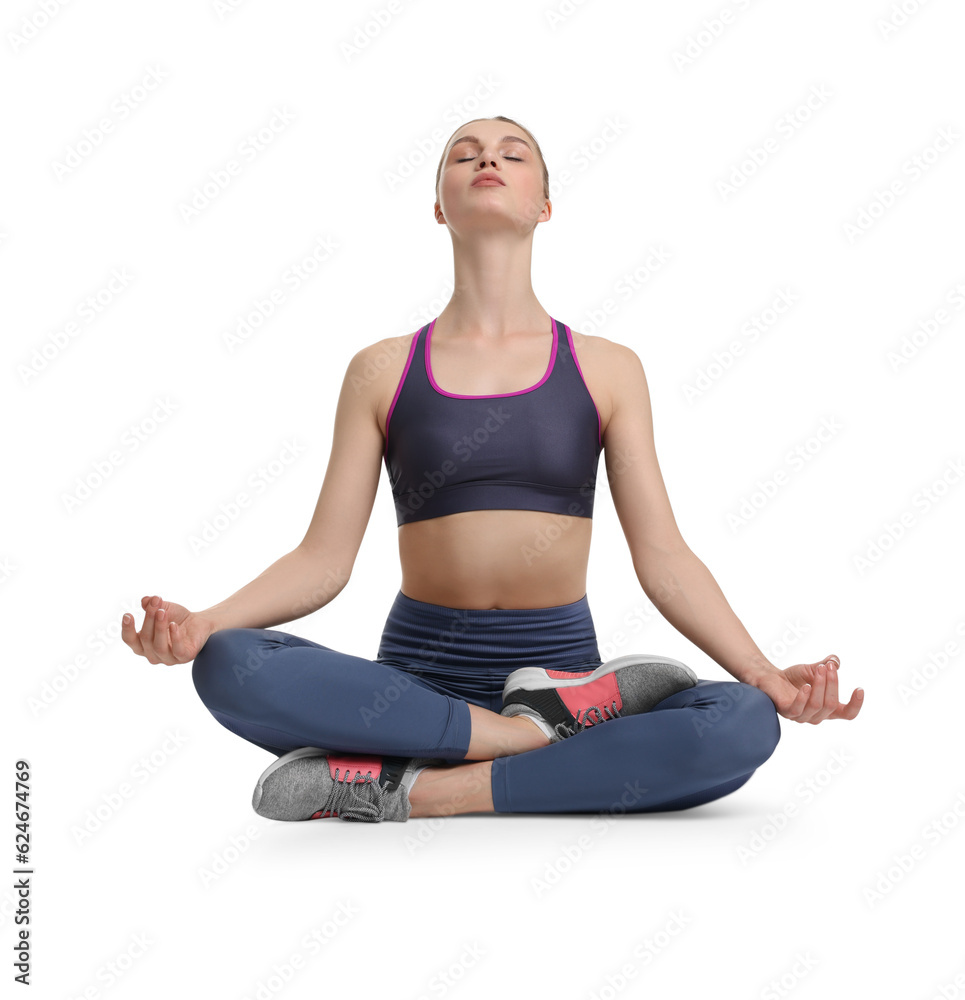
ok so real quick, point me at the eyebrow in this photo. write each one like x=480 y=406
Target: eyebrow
x=505 y=138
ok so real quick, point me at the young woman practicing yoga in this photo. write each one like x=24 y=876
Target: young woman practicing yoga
x=487 y=693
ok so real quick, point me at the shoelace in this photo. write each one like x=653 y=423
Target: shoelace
x=565 y=729
x=348 y=802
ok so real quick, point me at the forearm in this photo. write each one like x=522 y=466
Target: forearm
x=297 y=584
x=686 y=594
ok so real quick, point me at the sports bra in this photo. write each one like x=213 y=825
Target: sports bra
x=535 y=449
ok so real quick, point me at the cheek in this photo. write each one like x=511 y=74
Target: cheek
x=531 y=197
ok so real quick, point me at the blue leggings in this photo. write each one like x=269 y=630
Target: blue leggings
x=280 y=692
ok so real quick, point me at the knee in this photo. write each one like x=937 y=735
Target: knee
x=218 y=647
x=760 y=723
x=223 y=663
x=762 y=720
x=745 y=719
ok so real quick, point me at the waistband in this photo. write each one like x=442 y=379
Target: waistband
x=558 y=637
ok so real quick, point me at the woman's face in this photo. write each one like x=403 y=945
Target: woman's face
x=492 y=147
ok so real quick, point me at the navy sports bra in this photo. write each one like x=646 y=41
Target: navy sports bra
x=535 y=449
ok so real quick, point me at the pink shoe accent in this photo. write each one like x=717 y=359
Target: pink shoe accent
x=603 y=691
x=348 y=765
x=563 y=674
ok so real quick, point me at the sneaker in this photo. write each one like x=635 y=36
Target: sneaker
x=312 y=783
x=565 y=702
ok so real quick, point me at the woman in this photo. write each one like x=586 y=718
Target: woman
x=488 y=686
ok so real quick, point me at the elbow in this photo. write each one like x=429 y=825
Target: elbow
x=661 y=550
x=328 y=573
x=655 y=565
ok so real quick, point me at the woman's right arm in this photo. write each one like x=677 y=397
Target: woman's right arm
x=299 y=583
x=316 y=570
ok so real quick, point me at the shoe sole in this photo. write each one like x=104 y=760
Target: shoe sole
x=284 y=759
x=535 y=679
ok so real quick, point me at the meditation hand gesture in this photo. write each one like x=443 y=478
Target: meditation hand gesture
x=808 y=692
x=170 y=633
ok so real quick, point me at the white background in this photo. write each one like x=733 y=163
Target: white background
x=490 y=902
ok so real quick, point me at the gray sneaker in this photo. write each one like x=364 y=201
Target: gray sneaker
x=565 y=702
x=312 y=783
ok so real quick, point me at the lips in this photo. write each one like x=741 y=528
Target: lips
x=488 y=180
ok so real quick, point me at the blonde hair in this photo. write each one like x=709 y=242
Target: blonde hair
x=503 y=118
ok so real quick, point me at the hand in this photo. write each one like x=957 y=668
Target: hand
x=808 y=692
x=170 y=633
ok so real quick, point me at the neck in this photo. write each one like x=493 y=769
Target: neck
x=493 y=293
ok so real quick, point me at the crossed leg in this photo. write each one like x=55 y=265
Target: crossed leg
x=281 y=692
x=693 y=747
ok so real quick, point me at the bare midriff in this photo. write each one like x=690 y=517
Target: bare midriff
x=495 y=558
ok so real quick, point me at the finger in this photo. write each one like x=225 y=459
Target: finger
x=815 y=702
x=796 y=707
x=851 y=710
x=147 y=629
x=162 y=637
x=826 y=708
x=177 y=643
x=152 y=631
x=129 y=634
x=833 y=678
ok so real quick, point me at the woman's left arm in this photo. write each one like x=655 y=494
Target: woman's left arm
x=688 y=596
x=675 y=579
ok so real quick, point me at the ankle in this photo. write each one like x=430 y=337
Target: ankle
x=421 y=788
x=452 y=790
x=534 y=733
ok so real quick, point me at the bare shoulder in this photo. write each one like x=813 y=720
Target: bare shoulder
x=377 y=368
x=607 y=355
x=607 y=366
